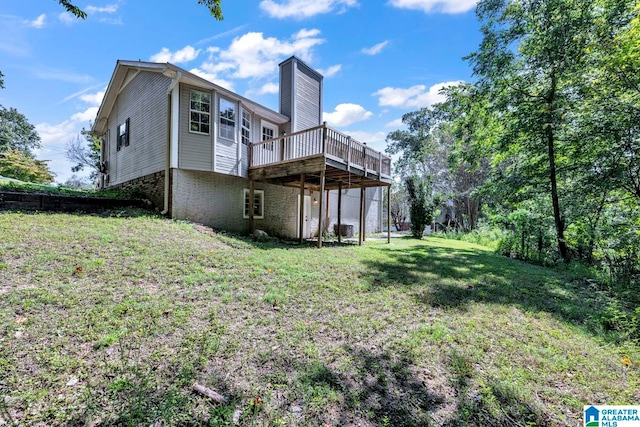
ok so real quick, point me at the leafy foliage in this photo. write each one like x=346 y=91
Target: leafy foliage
x=16 y=164
x=16 y=133
x=420 y=209
x=74 y=10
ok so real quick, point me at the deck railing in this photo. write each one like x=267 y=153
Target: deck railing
x=320 y=140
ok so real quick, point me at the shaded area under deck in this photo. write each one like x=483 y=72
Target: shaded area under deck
x=320 y=159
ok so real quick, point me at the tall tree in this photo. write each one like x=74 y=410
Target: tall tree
x=420 y=206
x=441 y=143
x=85 y=153
x=16 y=133
x=529 y=60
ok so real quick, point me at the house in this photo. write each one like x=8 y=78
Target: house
x=201 y=152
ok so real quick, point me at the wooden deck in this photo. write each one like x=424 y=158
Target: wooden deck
x=346 y=163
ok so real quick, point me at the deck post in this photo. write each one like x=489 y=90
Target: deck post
x=324 y=138
x=320 y=209
x=251 y=203
x=340 y=212
x=361 y=225
x=349 y=154
x=388 y=213
x=301 y=218
x=364 y=212
x=326 y=217
x=364 y=158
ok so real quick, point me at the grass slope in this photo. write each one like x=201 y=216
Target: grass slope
x=110 y=321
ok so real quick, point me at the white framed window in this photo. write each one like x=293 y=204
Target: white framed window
x=123 y=135
x=258 y=204
x=200 y=112
x=227 y=119
x=246 y=127
x=269 y=131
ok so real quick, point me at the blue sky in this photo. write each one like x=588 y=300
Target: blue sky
x=380 y=59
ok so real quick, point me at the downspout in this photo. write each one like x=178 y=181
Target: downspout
x=167 y=169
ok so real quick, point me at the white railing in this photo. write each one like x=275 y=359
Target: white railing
x=320 y=140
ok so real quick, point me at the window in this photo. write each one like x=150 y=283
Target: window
x=258 y=204
x=268 y=132
x=246 y=127
x=227 y=119
x=123 y=135
x=200 y=112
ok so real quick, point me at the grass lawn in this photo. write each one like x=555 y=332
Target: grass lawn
x=111 y=320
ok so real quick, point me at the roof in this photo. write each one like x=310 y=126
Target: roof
x=118 y=79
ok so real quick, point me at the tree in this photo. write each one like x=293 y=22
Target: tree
x=214 y=7
x=19 y=165
x=399 y=208
x=77 y=182
x=531 y=56
x=85 y=153
x=16 y=133
x=420 y=209
x=443 y=142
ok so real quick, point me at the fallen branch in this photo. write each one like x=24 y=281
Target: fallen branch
x=216 y=397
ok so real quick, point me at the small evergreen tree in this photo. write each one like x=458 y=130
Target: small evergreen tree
x=419 y=204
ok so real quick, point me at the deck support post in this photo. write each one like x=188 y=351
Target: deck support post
x=320 y=209
x=252 y=201
x=340 y=212
x=327 y=209
x=361 y=225
x=388 y=213
x=301 y=218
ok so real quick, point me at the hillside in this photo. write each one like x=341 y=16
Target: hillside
x=111 y=320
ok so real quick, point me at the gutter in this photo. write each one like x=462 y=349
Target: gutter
x=167 y=169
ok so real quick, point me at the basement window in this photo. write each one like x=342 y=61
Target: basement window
x=258 y=204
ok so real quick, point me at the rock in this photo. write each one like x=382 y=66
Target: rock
x=260 y=236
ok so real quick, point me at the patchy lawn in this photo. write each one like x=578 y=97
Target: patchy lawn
x=111 y=320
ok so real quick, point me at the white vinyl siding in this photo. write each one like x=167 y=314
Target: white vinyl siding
x=142 y=106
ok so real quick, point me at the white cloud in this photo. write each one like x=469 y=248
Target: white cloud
x=186 y=54
x=414 y=97
x=254 y=56
x=39 y=22
x=88 y=115
x=212 y=77
x=346 y=114
x=434 y=6
x=331 y=71
x=397 y=123
x=110 y=8
x=374 y=50
x=299 y=9
x=269 y=88
x=93 y=98
x=67 y=18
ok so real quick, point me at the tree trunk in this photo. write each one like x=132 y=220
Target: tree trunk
x=557 y=215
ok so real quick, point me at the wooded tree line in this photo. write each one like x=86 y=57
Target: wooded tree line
x=546 y=142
